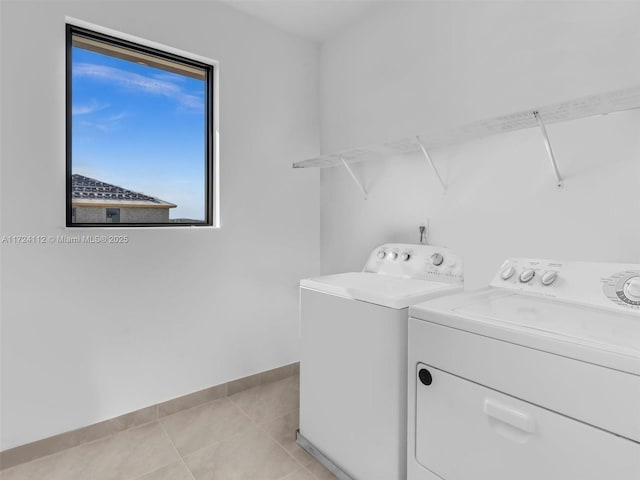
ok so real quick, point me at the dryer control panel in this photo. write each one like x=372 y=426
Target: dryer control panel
x=607 y=285
x=425 y=262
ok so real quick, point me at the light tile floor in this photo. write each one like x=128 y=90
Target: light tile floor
x=247 y=436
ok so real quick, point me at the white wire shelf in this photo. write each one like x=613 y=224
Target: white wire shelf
x=609 y=102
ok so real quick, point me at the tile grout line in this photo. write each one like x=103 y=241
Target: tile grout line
x=156 y=468
x=80 y=445
x=93 y=442
x=270 y=436
x=304 y=467
x=202 y=447
x=160 y=418
x=177 y=451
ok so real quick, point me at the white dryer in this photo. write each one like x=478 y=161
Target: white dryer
x=353 y=379
x=536 y=377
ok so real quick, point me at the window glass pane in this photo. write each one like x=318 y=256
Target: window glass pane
x=139 y=136
x=113 y=215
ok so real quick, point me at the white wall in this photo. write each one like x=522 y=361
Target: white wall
x=415 y=67
x=91 y=332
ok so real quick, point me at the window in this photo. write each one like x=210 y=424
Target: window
x=113 y=215
x=140 y=134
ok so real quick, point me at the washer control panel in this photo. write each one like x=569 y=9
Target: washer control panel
x=608 y=285
x=426 y=262
x=623 y=287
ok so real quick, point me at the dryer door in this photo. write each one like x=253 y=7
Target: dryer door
x=467 y=431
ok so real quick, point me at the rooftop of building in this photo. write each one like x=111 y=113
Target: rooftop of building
x=86 y=191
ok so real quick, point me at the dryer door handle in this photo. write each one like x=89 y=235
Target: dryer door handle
x=509 y=415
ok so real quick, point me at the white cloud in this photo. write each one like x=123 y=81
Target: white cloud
x=155 y=86
x=103 y=123
x=117 y=117
x=89 y=108
x=99 y=126
x=170 y=77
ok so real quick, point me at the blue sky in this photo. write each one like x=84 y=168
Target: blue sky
x=140 y=128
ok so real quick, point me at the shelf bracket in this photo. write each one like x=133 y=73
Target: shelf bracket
x=547 y=144
x=433 y=165
x=355 y=179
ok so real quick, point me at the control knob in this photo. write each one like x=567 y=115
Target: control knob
x=382 y=254
x=406 y=256
x=527 y=275
x=393 y=255
x=631 y=289
x=549 y=277
x=437 y=259
x=508 y=272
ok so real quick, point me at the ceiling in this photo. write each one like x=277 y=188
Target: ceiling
x=316 y=20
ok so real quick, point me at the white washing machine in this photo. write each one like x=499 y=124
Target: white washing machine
x=353 y=357
x=536 y=377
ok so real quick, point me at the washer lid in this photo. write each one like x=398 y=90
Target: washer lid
x=590 y=334
x=385 y=290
